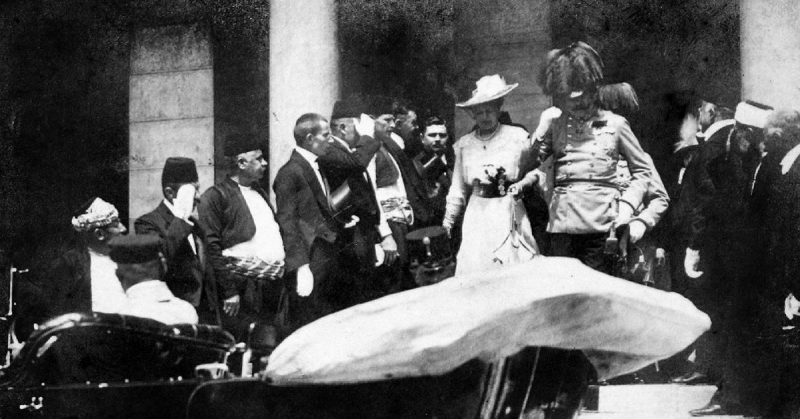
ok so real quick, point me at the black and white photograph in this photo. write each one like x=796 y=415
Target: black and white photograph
x=444 y=209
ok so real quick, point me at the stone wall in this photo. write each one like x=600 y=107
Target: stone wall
x=771 y=57
x=171 y=107
x=509 y=38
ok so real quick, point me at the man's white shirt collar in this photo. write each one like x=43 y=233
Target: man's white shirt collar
x=342 y=142
x=309 y=156
x=788 y=160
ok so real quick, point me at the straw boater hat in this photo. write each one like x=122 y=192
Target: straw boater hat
x=488 y=88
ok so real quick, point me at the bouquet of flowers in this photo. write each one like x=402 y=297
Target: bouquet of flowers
x=497 y=178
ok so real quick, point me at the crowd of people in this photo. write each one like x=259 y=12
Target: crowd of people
x=372 y=202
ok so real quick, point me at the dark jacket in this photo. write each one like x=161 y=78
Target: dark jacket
x=226 y=221
x=189 y=276
x=340 y=165
x=344 y=167
x=69 y=285
x=715 y=186
x=414 y=185
x=775 y=206
x=303 y=211
x=436 y=179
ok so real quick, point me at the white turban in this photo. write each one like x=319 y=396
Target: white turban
x=99 y=214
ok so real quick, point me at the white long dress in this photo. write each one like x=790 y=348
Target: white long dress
x=487 y=224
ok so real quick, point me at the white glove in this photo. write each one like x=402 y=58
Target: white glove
x=636 y=230
x=691 y=262
x=624 y=214
x=184 y=202
x=305 y=281
x=353 y=221
x=365 y=126
x=546 y=121
x=791 y=307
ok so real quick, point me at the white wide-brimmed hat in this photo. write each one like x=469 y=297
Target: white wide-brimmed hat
x=488 y=88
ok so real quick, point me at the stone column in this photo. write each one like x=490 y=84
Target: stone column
x=171 y=108
x=303 y=71
x=770 y=44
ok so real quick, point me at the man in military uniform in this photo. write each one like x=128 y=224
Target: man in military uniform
x=140 y=269
x=586 y=142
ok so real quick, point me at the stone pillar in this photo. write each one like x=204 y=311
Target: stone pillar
x=770 y=44
x=303 y=71
x=509 y=38
x=171 y=107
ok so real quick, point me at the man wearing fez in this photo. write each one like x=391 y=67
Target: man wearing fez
x=737 y=258
x=83 y=279
x=712 y=196
x=314 y=237
x=140 y=269
x=345 y=124
x=398 y=187
x=244 y=240
x=188 y=274
x=586 y=142
x=344 y=166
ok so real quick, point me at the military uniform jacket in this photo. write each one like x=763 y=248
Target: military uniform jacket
x=585 y=155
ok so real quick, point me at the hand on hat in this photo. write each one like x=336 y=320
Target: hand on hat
x=546 y=120
x=691 y=263
x=791 y=307
x=185 y=200
x=305 y=281
x=365 y=125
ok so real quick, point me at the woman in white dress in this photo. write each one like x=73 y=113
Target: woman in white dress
x=489 y=173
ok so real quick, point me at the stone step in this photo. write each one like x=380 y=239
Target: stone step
x=652 y=401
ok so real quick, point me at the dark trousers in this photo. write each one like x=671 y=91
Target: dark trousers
x=239 y=324
x=588 y=248
x=397 y=277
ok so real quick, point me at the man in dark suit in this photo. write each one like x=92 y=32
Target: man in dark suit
x=723 y=237
x=312 y=235
x=767 y=378
x=344 y=165
x=373 y=228
x=188 y=276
